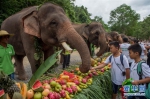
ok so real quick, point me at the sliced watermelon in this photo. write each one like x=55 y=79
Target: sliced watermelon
x=37 y=86
x=2 y=93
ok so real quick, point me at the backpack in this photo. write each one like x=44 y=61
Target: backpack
x=121 y=59
x=139 y=71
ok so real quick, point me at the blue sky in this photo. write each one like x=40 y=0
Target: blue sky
x=104 y=7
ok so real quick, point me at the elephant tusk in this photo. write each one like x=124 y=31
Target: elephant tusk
x=64 y=44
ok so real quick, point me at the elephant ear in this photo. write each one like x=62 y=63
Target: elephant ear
x=31 y=23
x=85 y=33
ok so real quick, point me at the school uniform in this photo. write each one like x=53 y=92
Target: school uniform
x=134 y=75
x=116 y=71
x=124 y=47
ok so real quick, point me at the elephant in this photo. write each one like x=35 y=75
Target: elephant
x=113 y=36
x=51 y=26
x=92 y=33
x=130 y=38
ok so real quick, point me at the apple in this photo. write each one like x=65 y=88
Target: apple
x=84 y=80
x=94 y=73
x=102 y=70
x=45 y=92
x=87 y=77
x=90 y=74
x=58 y=87
x=30 y=94
x=45 y=98
x=45 y=81
x=37 y=95
x=62 y=82
x=46 y=86
x=64 y=86
x=53 y=83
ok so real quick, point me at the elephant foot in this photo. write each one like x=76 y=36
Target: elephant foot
x=22 y=77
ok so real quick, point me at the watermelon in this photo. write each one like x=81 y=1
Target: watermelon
x=2 y=93
x=37 y=86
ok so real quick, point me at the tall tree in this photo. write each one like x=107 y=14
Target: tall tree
x=145 y=28
x=123 y=19
x=100 y=19
x=82 y=15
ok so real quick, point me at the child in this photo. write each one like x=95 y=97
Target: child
x=135 y=51
x=117 y=68
x=6 y=53
x=144 y=52
x=124 y=49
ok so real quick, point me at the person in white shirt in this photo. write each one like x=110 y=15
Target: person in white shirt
x=144 y=51
x=117 y=68
x=135 y=51
x=124 y=49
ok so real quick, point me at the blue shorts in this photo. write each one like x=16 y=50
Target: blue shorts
x=115 y=88
x=12 y=76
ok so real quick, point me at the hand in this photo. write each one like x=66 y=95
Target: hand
x=92 y=69
x=135 y=82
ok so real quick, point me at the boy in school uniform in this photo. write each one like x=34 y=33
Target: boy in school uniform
x=117 y=69
x=135 y=51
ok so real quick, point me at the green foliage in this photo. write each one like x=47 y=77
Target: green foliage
x=10 y=7
x=82 y=15
x=123 y=19
x=100 y=20
x=145 y=28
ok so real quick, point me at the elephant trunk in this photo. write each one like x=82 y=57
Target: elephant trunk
x=120 y=39
x=103 y=45
x=75 y=40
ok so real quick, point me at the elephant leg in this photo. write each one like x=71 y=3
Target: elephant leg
x=29 y=48
x=19 y=67
x=16 y=71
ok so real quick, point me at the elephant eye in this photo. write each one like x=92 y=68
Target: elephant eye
x=97 y=33
x=53 y=23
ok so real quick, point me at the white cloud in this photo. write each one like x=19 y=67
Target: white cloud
x=104 y=7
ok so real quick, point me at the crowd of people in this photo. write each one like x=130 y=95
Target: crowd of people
x=124 y=60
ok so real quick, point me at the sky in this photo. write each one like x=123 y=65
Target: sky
x=104 y=7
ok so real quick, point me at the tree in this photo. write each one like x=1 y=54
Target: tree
x=100 y=20
x=123 y=19
x=145 y=28
x=82 y=15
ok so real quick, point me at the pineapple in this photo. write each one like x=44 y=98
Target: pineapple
x=8 y=85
